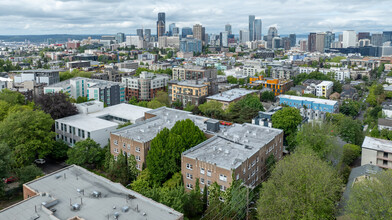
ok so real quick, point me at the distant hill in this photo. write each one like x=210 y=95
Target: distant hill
x=57 y=38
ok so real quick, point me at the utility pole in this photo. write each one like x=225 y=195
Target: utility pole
x=247 y=203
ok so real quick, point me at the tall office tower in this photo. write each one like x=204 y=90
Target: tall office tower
x=376 y=40
x=293 y=39
x=203 y=35
x=340 y=37
x=198 y=32
x=176 y=31
x=244 y=36
x=320 y=42
x=329 y=39
x=386 y=36
x=224 y=39
x=228 y=28
x=186 y=31
x=303 y=45
x=276 y=43
x=161 y=24
x=312 y=42
x=257 y=29
x=147 y=34
x=171 y=26
x=285 y=43
x=363 y=35
x=139 y=32
x=272 y=32
x=349 y=38
x=251 y=27
x=120 y=37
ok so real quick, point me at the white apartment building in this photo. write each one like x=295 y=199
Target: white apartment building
x=324 y=89
x=377 y=152
x=340 y=74
x=96 y=122
x=145 y=86
x=349 y=39
x=252 y=70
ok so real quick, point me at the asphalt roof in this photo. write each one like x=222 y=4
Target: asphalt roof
x=63 y=186
x=231 y=95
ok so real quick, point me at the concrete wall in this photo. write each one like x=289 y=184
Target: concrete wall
x=368 y=157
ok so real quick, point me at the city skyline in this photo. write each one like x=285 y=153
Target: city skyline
x=101 y=17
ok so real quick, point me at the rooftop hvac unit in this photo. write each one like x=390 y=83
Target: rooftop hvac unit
x=96 y=194
x=125 y=208
x=76 y=207
x=116 y=215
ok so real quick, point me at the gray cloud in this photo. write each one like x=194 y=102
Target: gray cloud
x=112 y=16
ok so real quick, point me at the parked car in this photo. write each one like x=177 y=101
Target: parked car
x=39 y=161
x=10 y=179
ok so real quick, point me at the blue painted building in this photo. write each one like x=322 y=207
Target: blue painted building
x=323 y=105
x=190 y=45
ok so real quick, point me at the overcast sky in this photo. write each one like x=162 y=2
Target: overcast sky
x=112 y=16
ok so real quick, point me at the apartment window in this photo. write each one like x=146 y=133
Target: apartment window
x=137 y=157
x=70 y=129
x=385 y=155
x=222 y=188
x=124 y=145
x=78 y=132
x=62 y=126
x=257 y=159
x=238 y=176
x=202 y=171
x=189 y=176
x=244 y=171
x=202 y=180
x=189 y=186
x=138 y=166
x=248 y=166
x=115 y=150
x=129 y=154
x=222 y=177
x=209 y=172
x=82 y=133
x=57 y=125
x=385 y=162
x=88 y=134
x=65 y=139
x=73 y=130
x=115 y=142
x=253 y=163
x=137 y=149
x=115 y=157
x=208 y=182
x=129 y=146
x=189 y=166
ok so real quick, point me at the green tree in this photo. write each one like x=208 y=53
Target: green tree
x=350 y=153
x=162 y=97
x=232 y=80
x=12 y=97
x=267 y=96
x=350 y=108
x=319 y=138
x=28 y=173
x=118 y=169
x=351 y=131
x=60 y=149
x=212 y=109
x=154 y=104
x=193 y=206
x=28 y=134
x=86 y=153
x=371 y=198
x=288 y=120
x=306 y=186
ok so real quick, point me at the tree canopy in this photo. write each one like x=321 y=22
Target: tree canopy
x=301 y=186
x=85 y=153
x=371 y=198
x=28 y=134
x=56 y=104
x=288 y=120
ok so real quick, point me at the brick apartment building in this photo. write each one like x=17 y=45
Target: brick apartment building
x=145 y=87
x=238 y=151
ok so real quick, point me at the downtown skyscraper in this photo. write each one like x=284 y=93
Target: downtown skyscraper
x=251 y=27
x=161 y=24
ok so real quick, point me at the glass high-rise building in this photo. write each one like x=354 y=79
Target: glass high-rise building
x=386 y=36
x=161 y=24
x=376 y=40
x=293 y=39
x=251 y=27
x=120 y=37
x=228 y=28
x=139 y=32
x=257 y=29
x=171 y=26
x=186 y=31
